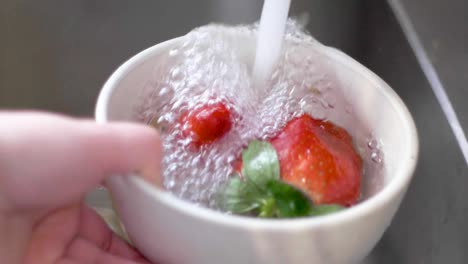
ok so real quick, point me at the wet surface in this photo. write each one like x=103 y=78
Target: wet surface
x=429 y=227
x=441 y=28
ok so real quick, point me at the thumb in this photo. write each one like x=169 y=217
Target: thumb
x=49 y=160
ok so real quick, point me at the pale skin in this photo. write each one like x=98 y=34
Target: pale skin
x=47 y=165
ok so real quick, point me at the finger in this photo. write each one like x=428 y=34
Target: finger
x=95 y=230
x=68 y=261
x=50 y=160
x=85 y=251
x=51 y=235
x=79 y=233
x=109 y=258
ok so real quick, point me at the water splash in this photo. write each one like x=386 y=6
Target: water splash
x=213 y=64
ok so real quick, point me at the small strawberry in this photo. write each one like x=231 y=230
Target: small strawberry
x=319 y=158
x=207 y=123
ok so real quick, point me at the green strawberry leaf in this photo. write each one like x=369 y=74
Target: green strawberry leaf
x=260 y=162
x=325 y=209
x=239 y=196
x=288 y=200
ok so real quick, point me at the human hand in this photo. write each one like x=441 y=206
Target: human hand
x=47 y=164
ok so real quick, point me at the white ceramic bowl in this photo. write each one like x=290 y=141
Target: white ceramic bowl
x=171 y=231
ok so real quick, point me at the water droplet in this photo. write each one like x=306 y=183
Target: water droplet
x=170 y=184
x=173 y=52
x=176 y=74
x=376 y=157
x=163 y=91
x=372 y=144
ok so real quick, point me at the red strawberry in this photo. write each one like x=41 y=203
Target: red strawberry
x=207 y=123
x=318 y=157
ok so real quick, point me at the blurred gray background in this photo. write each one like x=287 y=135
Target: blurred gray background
x=56 y=54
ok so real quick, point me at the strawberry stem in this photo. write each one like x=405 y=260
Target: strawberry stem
x=268 y=207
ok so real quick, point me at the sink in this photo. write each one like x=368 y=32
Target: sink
x=56 y=56
x=430 y=227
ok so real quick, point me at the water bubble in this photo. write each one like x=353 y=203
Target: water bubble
x=207 y=68
x=372 y=144
x=163 y=91
x=173 y=52
x=376 y=157
x=170 y=184
x=176 y=74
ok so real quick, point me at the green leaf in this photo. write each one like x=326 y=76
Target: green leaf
x=289 y=201
x=260 y=162
x=239 y=196
x=268 y=208
x=325 y=209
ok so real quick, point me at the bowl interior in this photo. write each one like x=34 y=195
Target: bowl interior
x=377 y=112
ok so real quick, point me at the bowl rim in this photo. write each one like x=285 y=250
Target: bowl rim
x=389 y=192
